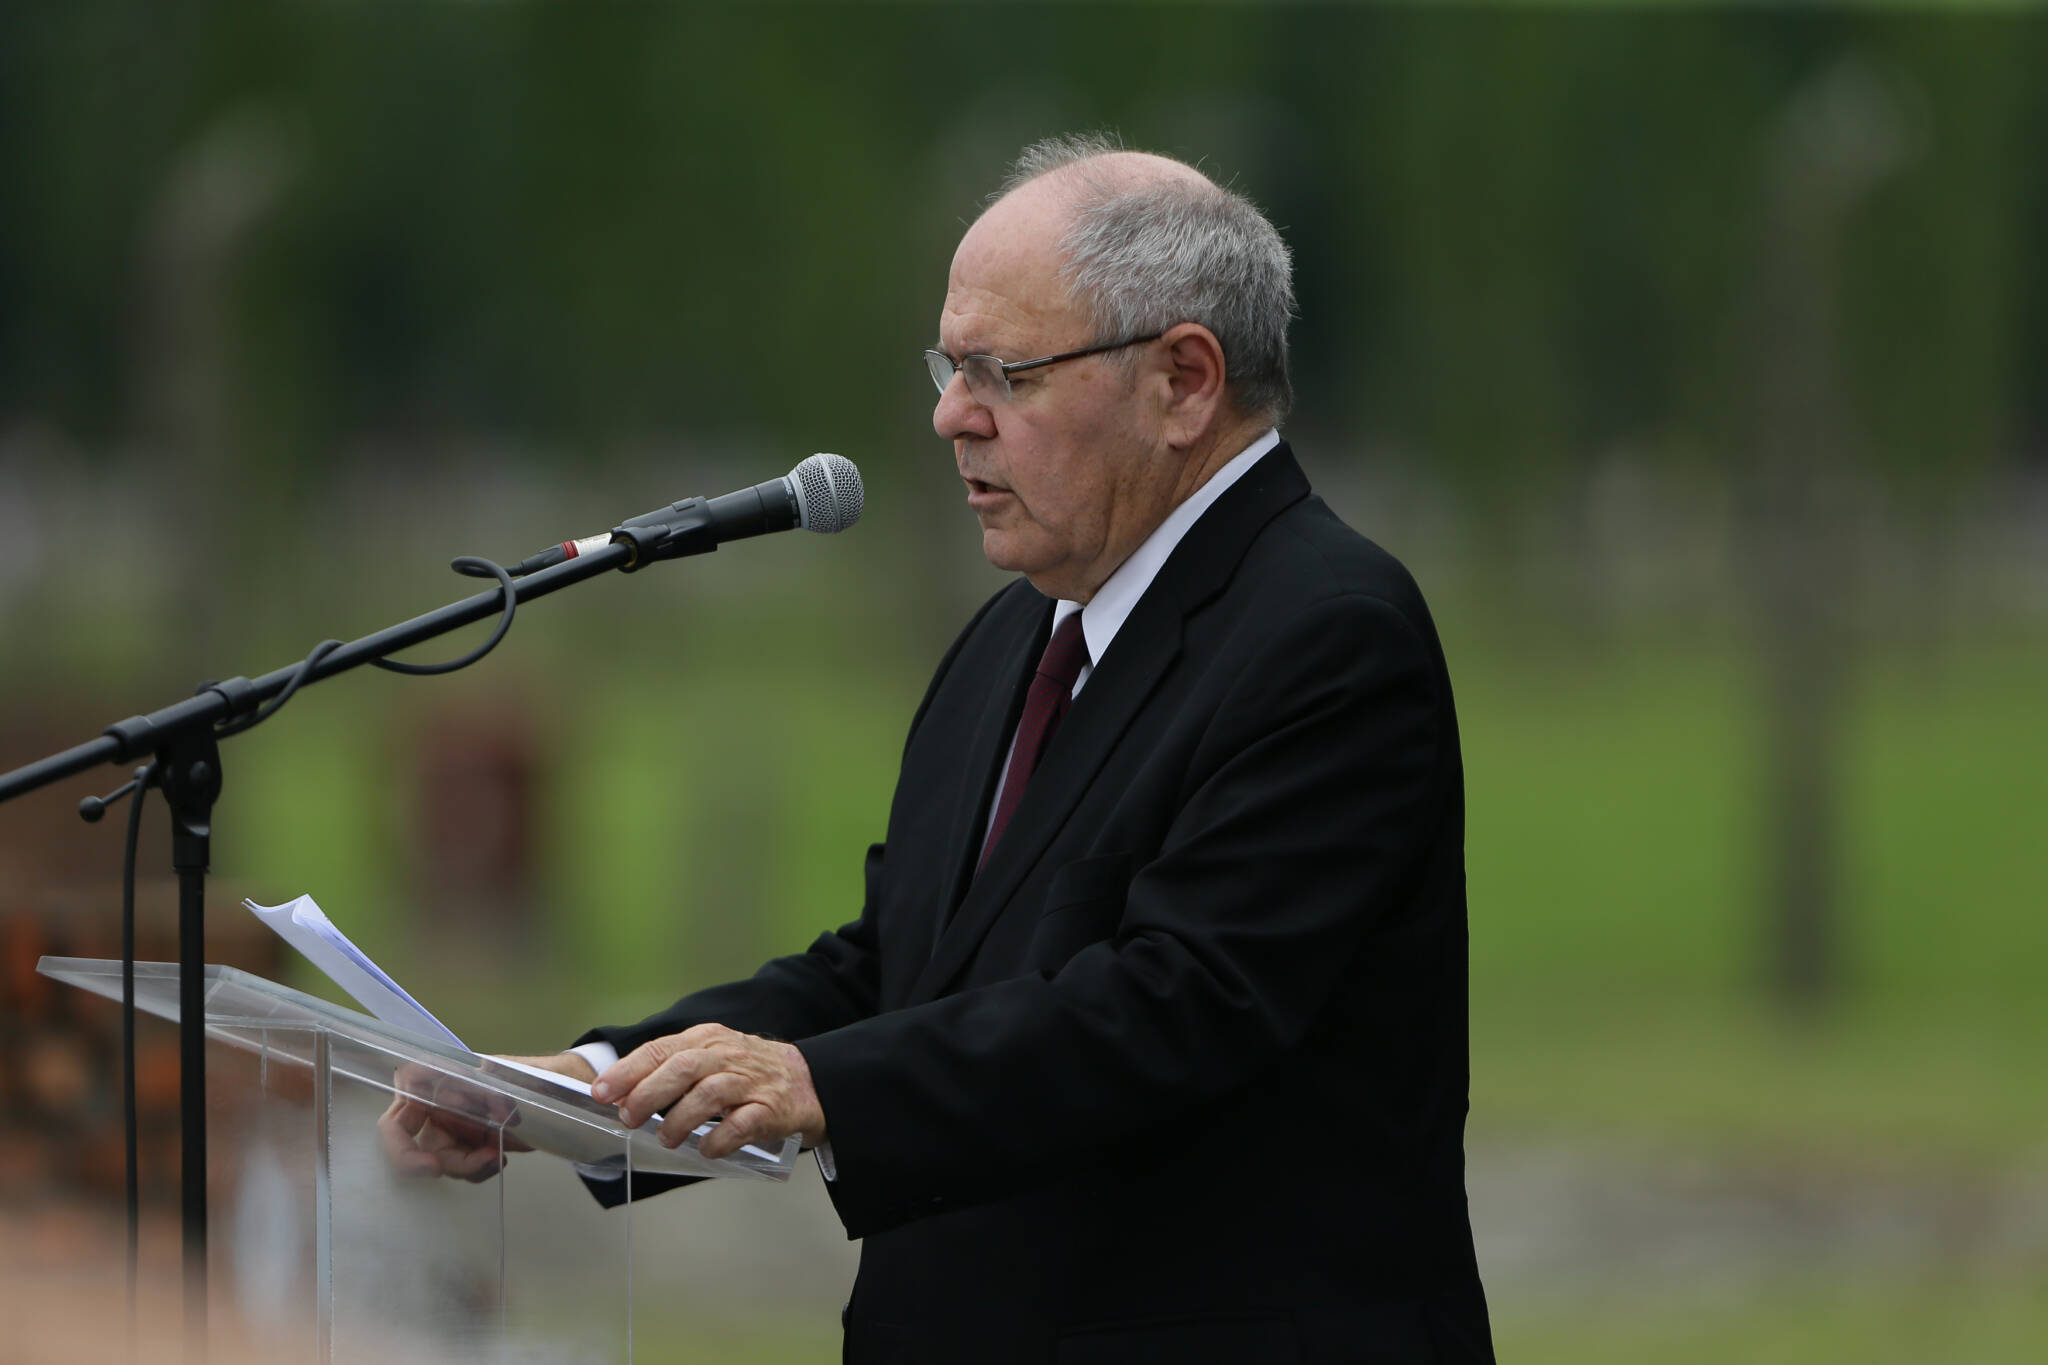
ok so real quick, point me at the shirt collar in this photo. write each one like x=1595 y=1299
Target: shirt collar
x=1113 y=603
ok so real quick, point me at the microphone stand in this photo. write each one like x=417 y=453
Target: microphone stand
x=184 y=740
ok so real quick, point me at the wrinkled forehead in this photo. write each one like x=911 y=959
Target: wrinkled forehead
x=1005 y=286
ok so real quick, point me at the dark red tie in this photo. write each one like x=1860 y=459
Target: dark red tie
x=1052 y=688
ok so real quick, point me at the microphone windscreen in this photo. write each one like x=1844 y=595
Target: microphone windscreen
x=828 y=493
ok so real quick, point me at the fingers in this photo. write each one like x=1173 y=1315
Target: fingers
x=753 y=1122
x=618 y=1081
x=435 y=1126
x=414 y=1145
x=714 y=1095
x=474 y=1164
x=677 y=1081
x=396 y=1128
x=761 y=1089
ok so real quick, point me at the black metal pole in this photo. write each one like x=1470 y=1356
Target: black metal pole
x=192 y=1096
x=192 y=784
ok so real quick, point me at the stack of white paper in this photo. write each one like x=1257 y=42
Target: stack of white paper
x=306 y=927
x=302 y=924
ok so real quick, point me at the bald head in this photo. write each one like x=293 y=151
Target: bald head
x=1145 y=241
x=1101 y=174
x=1099 y=156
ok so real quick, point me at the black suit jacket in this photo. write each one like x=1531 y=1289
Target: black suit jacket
x=1180 y=1075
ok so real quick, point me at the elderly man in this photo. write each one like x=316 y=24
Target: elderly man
x=1149 y=1042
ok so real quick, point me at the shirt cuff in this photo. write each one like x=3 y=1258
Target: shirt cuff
x=827 y=1167
x=599 y=1055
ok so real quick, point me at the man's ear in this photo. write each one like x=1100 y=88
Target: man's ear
x=1195 y=377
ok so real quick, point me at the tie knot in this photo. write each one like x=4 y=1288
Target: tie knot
x=1066 y=653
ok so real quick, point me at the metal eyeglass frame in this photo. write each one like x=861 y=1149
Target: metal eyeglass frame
x=1003 y=370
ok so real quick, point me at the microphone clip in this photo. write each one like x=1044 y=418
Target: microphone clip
x=685 y=529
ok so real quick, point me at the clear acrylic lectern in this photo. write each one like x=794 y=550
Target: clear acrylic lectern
x=313 y=1229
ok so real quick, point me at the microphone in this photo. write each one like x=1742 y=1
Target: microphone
x=821 y=494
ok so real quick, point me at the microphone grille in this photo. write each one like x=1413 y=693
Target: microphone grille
x=828 y=493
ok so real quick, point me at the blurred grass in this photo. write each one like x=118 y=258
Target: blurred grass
x=1615 y=951
x=684 y=1338
x=1905 y=1320
x=1879 y=1084
x=1605 y=845
x=1957 y=1322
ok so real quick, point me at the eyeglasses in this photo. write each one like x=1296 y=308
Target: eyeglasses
x=988 y=378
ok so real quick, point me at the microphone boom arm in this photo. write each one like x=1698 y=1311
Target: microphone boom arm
x=127 y=740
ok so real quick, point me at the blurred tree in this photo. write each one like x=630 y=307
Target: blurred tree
x=1841 y=136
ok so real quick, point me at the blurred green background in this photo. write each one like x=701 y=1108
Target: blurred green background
x=1692 y=356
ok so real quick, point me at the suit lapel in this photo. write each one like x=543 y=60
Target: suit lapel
x=983 y=758
x=1143 y=649
x=1117 y=688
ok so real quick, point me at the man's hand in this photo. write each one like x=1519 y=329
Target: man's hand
x=438 y=1125
x=761 y=1087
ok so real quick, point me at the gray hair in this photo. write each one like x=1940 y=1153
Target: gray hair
x=1144 y=254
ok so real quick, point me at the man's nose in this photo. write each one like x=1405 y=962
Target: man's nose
x=959 y=413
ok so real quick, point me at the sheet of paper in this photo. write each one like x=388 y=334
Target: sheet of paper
x=302 y=924
x=305 y=926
